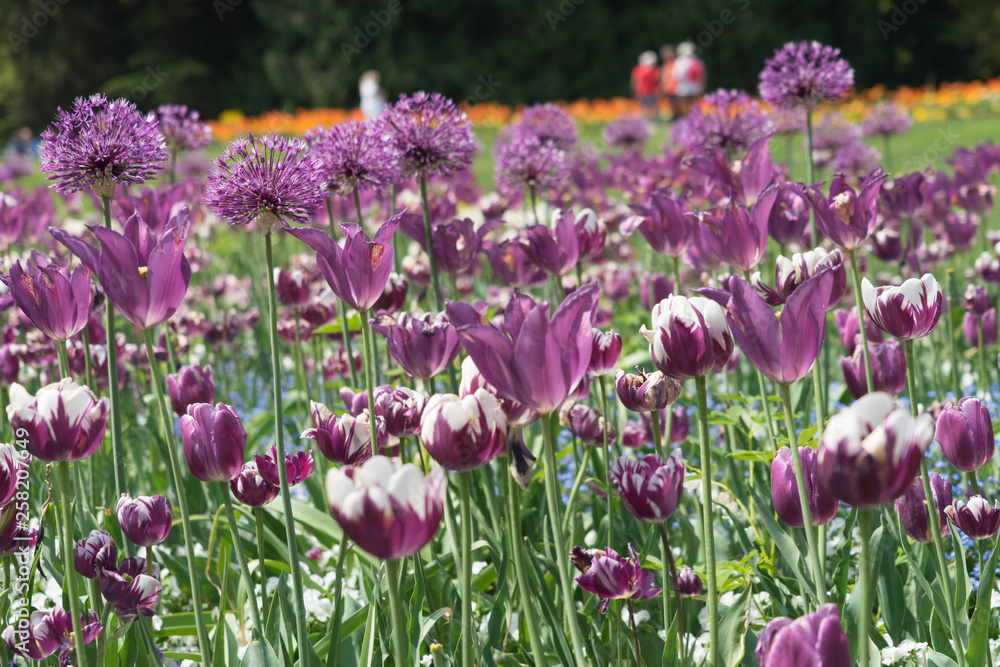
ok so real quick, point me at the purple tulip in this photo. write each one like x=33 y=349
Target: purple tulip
x=95 y=552
x=871 y=450
x=789 y=215
x=977 y=518
x=664 y=223
x=518 y=414
x=298 y=466
x=605 y=352
x=888 y=369
x=689 y=338
x=689 y=583
x=402 y=409
x=850 y=330
x=424 y=346
x=359 y=271
x=789 y=274
x=511 y=263
x=815 y=639
x=291 y=287
x=541 y=359
x=464 y=433
x=613 y=577
x=649 y=488
x=55 y=299
x=555 y=249
x=639 y=392
x=189 y=385
x=46 y=632
x=586 y=423
x=394 y=295
x=456 y=243
x=131 y=589
x=653 y=289
x=62 y=422
x=250 y=487
x=145 y=521
x=739 y=236
x=783 y=348
x=214 y=442
x=346 y=439
x=386 y=507
x=912 y=507
x=592 y=234
x=785 y=490
x=14 y=464
x=977 y=300
x=355 y=402
x=847 y=217
x=985 y=325
x=965 y=433
x=145 y=277
x=909 y=311
x=10 y=365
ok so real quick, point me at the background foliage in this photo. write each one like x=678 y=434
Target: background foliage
x=256 y=55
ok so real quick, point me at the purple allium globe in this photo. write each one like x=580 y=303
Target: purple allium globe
x=431 y=134
x=548 y=122
x=266 y=179
x=856 y=158
x=628 y=131
x=356 y=155
x=805 y=73
x=787 y=121
x=729 y=120
x=182 y=128
x=527 y=162
x=886 y=119
x=101 y=144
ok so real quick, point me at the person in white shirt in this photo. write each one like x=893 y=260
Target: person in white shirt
x=372 y=95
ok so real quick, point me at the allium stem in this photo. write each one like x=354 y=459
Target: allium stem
x=562 y=555
x=819 y=579
x=811 y=173
x=173 y=467
x=241 y=556
x=520 y=568
x=859 y=302
x=607 y=456
x=369 y=364
x=69 y=572
x=534 y=207
x=465 y=575
x=279 y=442
x=431 y=259
x=399 y=643
x=261 y=567
x=115 y=408
x=865 y=565
x=932 y=513
x=709 y=531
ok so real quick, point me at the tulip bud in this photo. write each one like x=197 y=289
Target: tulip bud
x=985 y=325
x=214 y=442
x=965 y=433
x=94 y=552
x=819 y=634
x=850 y=330
x=463 y=433
x=250 y=487
x=650 y=488
x=977 y=518
x=298 y=467
x=146 y=520
x=653 y=289
x=291 y=287
x=586 y=423
x=689 y=583
x=785 y=490
x=888 y=368
x=604 y=355
x=521 y=459
x=909 y=311
x=13 y=467
x=613 y=577
x=690 y=337
x=912 y=508
x=394 y=295
x=424 y=346
x=62 y=421
x=680 y=425
x=402 y=409
x=977 y=300
x=346 y=439
x=189 y=385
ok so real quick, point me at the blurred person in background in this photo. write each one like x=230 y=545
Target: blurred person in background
x=688 y=71
x=646 y=83
x=668 y=84
x=372 y=94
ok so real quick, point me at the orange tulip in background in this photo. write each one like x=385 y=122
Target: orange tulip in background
x=926 y=103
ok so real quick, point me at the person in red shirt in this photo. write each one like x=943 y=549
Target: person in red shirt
x=646 y=84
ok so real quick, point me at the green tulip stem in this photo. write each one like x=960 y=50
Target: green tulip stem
x=258 y=514
x=860 y=303
x=708 y=529
x=301 y=627
x=465 y=575
x=819 y=579
x=865 y=615
x=602 y=384
x=174 y=469
x=258 y=628
x=657 y=436
x=69 y=572
x=369 y=364
x=552 y=490
x=670 y=582
x=399 y=644
x=436 y=297
x=333 y=658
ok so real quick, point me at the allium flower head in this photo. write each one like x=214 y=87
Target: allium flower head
x=353 y=154
x=805 y=73
x=856 y=158
x=431 y=134
x=729 y=120
x=182 y=128
x=100 y=144
x=628 y=131
x=268 y=179
x=887 y=118
x=548 y=122
x=528 y=162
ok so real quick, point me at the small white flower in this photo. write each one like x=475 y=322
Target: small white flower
x=590 y=539
x=477 y=567
x=427 y=660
